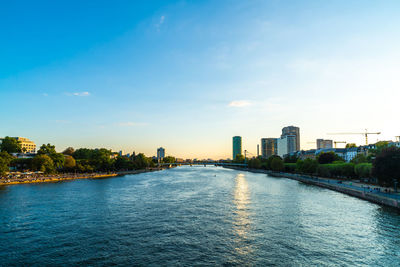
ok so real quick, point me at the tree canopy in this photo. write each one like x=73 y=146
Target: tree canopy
x=351 y=145
x=10 y=145
x=386 y=166
x=43 y=163
x=328 y=157
x=69 y=151
x=277 y=164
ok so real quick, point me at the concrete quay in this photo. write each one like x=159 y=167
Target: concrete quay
x=365 y=193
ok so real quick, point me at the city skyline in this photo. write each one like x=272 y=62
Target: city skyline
x=188 y=76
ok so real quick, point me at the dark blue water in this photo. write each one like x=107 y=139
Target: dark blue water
x=193 y=216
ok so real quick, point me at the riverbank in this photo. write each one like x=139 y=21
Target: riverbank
x=361 y=191
x=69 y=177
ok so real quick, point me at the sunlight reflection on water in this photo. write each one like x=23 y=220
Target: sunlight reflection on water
x=242 y=222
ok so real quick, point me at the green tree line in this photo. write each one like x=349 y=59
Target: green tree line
x=384 y=165
x=48 y=161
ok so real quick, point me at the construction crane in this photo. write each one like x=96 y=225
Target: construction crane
x=365 y=134
x=335 y=142
x=339 y=142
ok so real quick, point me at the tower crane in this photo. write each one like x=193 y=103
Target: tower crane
x=365 y=134
x=335 y=142
x=339 y=142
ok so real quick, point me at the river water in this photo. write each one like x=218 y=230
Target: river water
x=193 y=216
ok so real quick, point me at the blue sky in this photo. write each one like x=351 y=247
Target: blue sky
x=189 y=75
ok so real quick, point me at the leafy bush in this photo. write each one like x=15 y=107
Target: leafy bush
x=308 y=166
x=323 y=170
x=363 y=170
x=328 y=157
x=386 y=166
x=290 y=167
x=341 y=170
x=277 y=164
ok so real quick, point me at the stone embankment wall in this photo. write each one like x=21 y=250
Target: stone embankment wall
x=317 y=181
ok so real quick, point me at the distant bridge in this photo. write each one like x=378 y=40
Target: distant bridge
x=204 y=163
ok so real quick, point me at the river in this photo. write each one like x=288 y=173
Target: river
x=193 y=216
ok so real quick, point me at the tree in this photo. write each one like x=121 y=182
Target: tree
x=255 y=163
x=43 y=163
x=363 y=170
x=69 y=162
x=5 y=160
x=69 y=151
x=10 y=145
x=50 y=150
x=239 y=159
x=169 y=159
x=328 y=157
x=3 y=166
x=47 y=149
x=142 y=162
x=290 y=159
x=351 y=145
x=386 y=166
x=277 y=164
x=7 y=157
x=308 y=166
x=359 y=158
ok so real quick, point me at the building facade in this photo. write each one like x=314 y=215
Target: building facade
x=160 y=154
x=321 y=143
x=236 y=146
x=287 y=145
x=293 y=131
x=269 y=147
x=27 y=145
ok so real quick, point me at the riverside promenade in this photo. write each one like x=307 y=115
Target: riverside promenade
x=31 y=179
x=363 y=191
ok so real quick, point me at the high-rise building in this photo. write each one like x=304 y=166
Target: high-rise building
x=160 y=153
x=269 y=147
x=292 y=130
x=286 y=145
x=321 y=143
x=236 y=146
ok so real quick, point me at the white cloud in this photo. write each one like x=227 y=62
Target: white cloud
x=45 y=94
x=239 y=103
x=81 y=94
x=160 y=22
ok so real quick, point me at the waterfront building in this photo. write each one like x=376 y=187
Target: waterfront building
x=321 y=143
x=236 y=146
x=269 y=147
x=287 y=145
x=293 y=131
x=351 y=153
x=27 y=145
x=160 y=154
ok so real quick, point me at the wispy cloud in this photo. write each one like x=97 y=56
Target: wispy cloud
x=81 y=94
x=45 y=94
x=239 y=103
x=160 y=22
x=85 y=93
